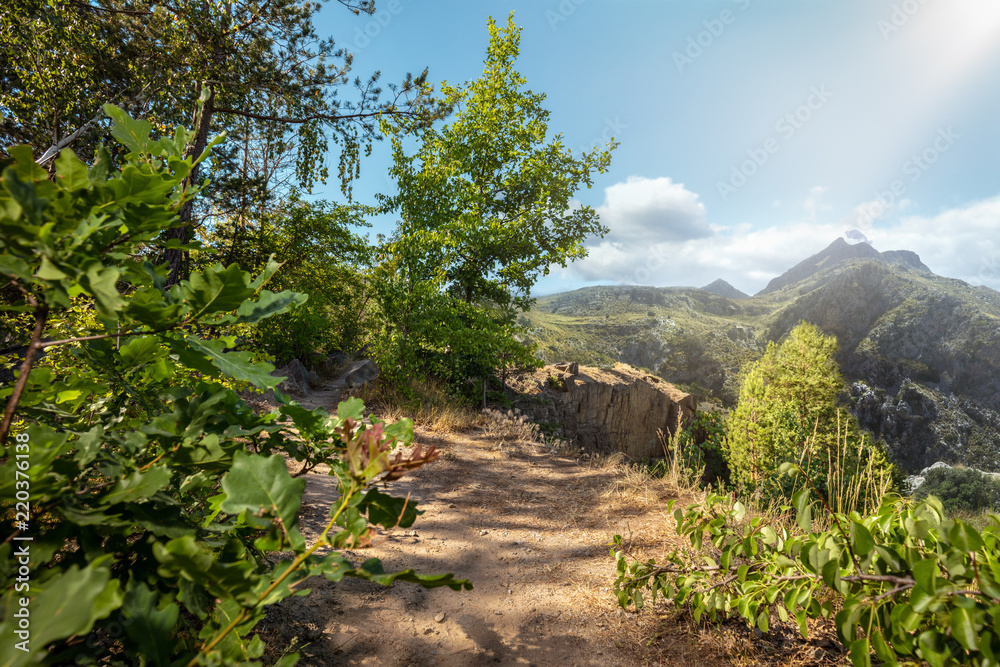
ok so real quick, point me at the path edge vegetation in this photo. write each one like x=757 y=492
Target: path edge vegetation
x=155 y=500
x=821 y=531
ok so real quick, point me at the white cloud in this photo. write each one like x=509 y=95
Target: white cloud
x=652 y=210
x=963 y=242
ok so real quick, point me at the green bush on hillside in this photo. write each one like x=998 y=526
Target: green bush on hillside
x=788 y=413
x=961 y=489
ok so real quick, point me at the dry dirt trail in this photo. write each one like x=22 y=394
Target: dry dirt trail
x=529 y=528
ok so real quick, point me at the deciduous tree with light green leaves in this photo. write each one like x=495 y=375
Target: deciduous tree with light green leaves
x=486 y=210
x=788 y=412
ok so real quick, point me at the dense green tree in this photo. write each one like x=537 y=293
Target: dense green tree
x=486 y=211
x=255 y=68
x=788 y=412
x=321 y=256
x=155 y=508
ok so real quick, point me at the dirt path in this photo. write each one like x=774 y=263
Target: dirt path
x=527 y=527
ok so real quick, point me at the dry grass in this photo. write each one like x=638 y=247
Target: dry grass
x=429 y=406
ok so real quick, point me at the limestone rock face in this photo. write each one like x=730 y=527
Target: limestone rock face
x=608 y=410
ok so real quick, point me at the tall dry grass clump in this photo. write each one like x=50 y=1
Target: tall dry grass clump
x=426 y=401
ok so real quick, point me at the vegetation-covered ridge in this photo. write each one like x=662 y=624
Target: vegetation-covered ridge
x=923 y=351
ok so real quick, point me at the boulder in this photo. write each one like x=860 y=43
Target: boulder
x=607 y=410
x=298 y=378
x=360 y=373
x=332 y=363
x=570 y=367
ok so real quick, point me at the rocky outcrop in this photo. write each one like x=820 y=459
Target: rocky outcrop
x=298 y=379
x=922 y=425
x=607 y=410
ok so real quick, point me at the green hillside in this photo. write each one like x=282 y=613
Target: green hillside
x=922 y=351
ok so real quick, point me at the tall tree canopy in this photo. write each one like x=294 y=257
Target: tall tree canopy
x=486 y=207
x=491 y=190
x=255 y=68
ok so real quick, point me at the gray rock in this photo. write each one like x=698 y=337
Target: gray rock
x=361 y=373
x=298 y=379
x=939 y=464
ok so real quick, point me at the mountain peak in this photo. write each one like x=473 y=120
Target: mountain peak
x=839 y=251
x=722 y=288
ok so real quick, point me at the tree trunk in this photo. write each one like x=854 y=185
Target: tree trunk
x=178 y=259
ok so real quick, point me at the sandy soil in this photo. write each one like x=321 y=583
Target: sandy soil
x=530 y=529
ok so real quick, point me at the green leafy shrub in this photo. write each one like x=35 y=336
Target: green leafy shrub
x=147 y=500
x=702 y=446
x=904 y=583
x=788 y=412
x=961 y=489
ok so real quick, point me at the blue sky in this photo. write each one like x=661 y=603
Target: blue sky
x=752 y=132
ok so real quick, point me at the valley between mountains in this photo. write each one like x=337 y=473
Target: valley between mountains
x=921 y=351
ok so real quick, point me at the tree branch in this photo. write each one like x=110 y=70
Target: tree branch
x=317 y=116
x=41 y=316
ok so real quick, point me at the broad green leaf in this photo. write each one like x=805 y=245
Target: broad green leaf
x=386 y=510
x=70 y=603
x=71 y=172
x=149 y=627
x=965 y=538
x=257 y=484
x=267 y=304
x=803 y=509
x=48 y=271
x=215 y=290
x=139 y=351
x=353 y=408
x=890 y=557
x=963 y=629
x=861 y=540
x=101 y=283
x=138 y=486
x=372 y=570
x=203 y=355
x=861 y=654
x=925 y=574
x=133 y=133
x=884 y=652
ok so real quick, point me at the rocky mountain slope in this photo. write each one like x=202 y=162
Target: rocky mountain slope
x=922 y=351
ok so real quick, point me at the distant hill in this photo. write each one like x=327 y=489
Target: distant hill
x=922 y=351
x=722 y=288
